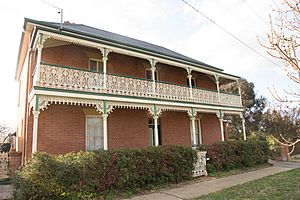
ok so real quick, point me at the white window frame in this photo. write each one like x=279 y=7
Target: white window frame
x=197 y=121
x=86 y=130
x=97 y=61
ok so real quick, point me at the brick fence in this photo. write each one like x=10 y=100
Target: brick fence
x=14 y=161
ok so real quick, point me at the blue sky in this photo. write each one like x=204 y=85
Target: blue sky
x=169 y=23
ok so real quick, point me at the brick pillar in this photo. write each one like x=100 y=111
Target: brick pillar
x=14 y=161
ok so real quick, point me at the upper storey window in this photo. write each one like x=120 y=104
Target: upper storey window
x=149 y=74
x=193 y=82
x=96 y=65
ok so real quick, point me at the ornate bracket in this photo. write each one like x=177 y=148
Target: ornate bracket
x=189 y=72
x=192 y=113
x=153 y=62
x=104 y=108
x=155 y=111
x=104 y=51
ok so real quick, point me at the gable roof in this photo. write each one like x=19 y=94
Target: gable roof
x=119 y=39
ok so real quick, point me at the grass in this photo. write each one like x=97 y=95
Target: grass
x=237 y=171
x=285 y=185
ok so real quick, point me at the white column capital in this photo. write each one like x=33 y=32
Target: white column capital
x=189 y=71
x=153 y=62
x=104 y=51
x=216 y=77
x=35 y=113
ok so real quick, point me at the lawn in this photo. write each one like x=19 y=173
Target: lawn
x=285 y=185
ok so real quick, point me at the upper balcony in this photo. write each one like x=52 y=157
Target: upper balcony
x=75 y=79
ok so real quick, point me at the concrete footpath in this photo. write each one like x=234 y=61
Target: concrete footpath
x=197 y=189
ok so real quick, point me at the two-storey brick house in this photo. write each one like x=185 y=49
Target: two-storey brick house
x=83 y=88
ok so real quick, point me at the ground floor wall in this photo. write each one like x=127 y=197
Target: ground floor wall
x=62 y=129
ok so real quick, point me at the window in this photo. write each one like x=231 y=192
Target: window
x=151 y=131
x=193 y=82
x=96 y=65
x=94 y=133
x=149 y=74
x=198 y=132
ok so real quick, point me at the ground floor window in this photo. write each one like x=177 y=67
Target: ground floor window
x=94 y=133
x=151 y=132
x=198 y=132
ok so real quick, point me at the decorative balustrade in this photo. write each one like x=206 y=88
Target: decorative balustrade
x=230 y=99
x=52 y=76
x=129 y=86
x=70 y=78
x=172 y=91
x=205 y=96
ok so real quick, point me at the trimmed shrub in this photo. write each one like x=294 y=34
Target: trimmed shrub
x=88 y=175
x=224 y=156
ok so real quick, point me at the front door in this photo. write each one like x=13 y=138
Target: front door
x=94 y=132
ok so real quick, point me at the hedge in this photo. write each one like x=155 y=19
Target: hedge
x=224 y=156
x=90 y=175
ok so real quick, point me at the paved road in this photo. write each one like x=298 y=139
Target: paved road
x=198 y=189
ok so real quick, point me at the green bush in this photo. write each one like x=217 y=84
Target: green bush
x=224 y=156
x=88 y=175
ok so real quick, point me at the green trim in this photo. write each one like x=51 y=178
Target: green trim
x=104 y=53
x=104 y=107
x=41 y=38
x=154 y=109
x=124 y=96
x=193 y=112
x=221 y=114
x=177 y=84
x=126 y=76
x=70 y=67
x=36 y=103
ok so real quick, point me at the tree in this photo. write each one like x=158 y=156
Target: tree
x=284 y=43
x=253 y=112
x=283 y=125
x=4 y=130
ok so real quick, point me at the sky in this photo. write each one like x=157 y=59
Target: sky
x=168 y=23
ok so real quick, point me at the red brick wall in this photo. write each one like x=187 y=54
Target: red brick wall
x=203 y=81
x=175 y=128
x=210 y=127
x=168 y=73
x=126 y=65
x=61 y=129
x=28 y=139
x=68 y=55
x=128 y=128
x=14 y=161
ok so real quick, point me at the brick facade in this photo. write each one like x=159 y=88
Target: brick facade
x=128 y=128
x=175 y=128
x=61 y=129
x=210 y=127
